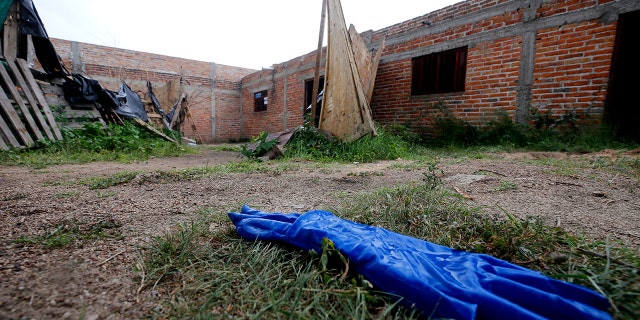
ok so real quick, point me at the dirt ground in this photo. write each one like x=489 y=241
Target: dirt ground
x=95 y=278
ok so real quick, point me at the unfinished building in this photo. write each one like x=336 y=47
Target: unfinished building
x=477 y=59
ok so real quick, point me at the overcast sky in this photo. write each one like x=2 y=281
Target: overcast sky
x=244 y=33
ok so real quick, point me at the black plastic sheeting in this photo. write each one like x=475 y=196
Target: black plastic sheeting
x=156 y=104
x=77 y=88
x=129 y=104
x=31 y=24
x=125 y=102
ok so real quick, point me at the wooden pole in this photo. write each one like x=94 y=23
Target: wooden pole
x=316 y=76
x=10 y=37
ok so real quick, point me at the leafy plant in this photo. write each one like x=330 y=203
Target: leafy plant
x=259 y=146
x=433 y=176
x=571 y=131
x=218 y=275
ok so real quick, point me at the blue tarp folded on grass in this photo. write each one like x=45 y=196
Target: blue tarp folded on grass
x=438 y=280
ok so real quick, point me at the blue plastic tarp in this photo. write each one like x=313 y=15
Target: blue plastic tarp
x=438 y=280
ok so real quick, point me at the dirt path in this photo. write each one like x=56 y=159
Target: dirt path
x=94 y=279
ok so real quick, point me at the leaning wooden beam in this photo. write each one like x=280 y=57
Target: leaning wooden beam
x=316 y=75
x=11 y=113
x=154 y=130
x=6 y=134
x=15 y=95
x=30 y=98
x=176 y=113
x=374 y=71
x=26 y=71
x=3 y=145
x=193 y=123
x=11 y=31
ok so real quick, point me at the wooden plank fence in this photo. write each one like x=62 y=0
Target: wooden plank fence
x=25 y=115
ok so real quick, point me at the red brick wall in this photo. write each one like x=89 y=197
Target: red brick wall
x=110 y=65
x=569 y=69
x=283 y=112
x=571 y=65
x=572 y=69
x=492 y=74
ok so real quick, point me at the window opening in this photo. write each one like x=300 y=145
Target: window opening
x=260 y=101
x=441 y=72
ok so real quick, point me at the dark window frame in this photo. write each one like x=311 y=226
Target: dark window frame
x=260 y=101
x=440 y=72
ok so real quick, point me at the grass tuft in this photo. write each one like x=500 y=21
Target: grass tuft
x=68 y=232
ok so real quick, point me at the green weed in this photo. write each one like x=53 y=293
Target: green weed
x=106 y=182
x=67 y=194
x=309 y=143
x=216 y=274
x=66 y=233
x=506 y=185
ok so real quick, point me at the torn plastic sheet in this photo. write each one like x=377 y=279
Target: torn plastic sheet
x=31 y=24
x=129 y=104
x=439 y=281
x=125 y=102
x=156 y=104
x=82 y=90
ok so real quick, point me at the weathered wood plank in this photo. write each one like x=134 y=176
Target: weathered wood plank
x=374 y=71
x=176 y=114
x=14 y=118
x=15 y=95
x=11 y=32
x=154 y=130
x=26 y=71
x=345 y=109
x=27 y=91
x=48 y=88
x=6 y=133
x=3 y=145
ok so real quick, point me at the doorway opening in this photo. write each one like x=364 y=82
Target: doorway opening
x=308 y=92
x=622 y=107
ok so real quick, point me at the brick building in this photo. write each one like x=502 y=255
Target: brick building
x=477 y=59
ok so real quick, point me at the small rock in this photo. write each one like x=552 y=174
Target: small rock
x=556 y=258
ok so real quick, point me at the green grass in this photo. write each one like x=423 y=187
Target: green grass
x=166 y=176
x=506 y=185
x=122 y=143
x=308 y=144
x=218 y=275
x=205 y=272
x=67 y=194
x=109 y=181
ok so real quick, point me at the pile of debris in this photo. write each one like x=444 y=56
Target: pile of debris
x=36 y=102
